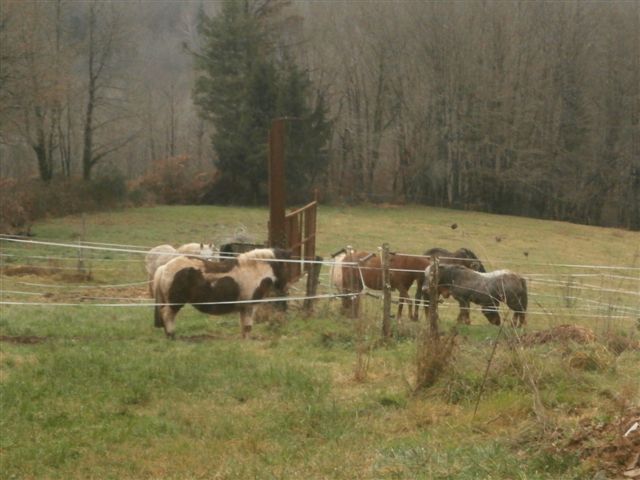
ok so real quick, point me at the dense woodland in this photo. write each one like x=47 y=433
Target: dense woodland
x=529 y=108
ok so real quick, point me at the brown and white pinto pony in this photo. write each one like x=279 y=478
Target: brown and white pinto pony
x=485 y=289
x=162 y=254
x=356 y=269
x=213 y=287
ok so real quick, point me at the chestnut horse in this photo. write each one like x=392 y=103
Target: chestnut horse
x=356 y=269
x=485 y=289
x=217 y=288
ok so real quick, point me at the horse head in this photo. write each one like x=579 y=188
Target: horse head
x=208 y=250
x=473 y=261
x=444 y=281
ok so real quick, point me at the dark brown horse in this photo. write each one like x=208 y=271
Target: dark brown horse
x=486 y=289
x=355 y=270
x=462 y=256
x=217 y=288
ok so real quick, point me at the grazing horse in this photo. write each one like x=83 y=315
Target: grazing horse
x=485 y=289
x=162 y=254
x=462 y=256
x=354 y=270
x=214 y=287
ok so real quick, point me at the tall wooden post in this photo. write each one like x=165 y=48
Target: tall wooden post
x=386 y=295
x=277 y=195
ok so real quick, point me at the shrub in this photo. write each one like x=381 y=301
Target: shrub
x=173 y=182
x=24 y=201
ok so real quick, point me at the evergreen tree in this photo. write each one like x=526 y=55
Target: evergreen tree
x=308 y=133
x=244 y=81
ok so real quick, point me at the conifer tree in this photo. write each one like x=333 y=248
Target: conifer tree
x=245 y=79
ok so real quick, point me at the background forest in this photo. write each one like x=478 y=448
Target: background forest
x=527 y=108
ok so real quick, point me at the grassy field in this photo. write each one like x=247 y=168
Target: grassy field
x=97 y=392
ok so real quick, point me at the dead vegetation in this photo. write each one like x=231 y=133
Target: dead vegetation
x=561 y=333
x=612 y=447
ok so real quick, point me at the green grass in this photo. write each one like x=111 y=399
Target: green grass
x=104 y=394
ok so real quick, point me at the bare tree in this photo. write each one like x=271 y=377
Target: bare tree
x=105 y=35
x=34 y=78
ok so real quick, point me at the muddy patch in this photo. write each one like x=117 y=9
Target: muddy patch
x=23 y=339
x=205 y=337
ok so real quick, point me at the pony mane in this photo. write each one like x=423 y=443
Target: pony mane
x=258 y=254
x=468 y=253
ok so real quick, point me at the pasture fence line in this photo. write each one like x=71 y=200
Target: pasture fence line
x=530 y=277
x=274 y=300
x=585 y=287
x=632 y=313
x=396 y=299
x=177 y=254
x=82 y=242
x=541 y=279
x=280 y=299
x=96 y=246
x=577 y=287
x=153 y=304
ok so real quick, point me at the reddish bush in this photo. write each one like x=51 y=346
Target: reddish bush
x=172 y=182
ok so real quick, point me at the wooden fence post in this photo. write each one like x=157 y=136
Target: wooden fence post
x=313 y=276
x=386 y=295
x=352 y=280
x=82 y=269
x=433 y=299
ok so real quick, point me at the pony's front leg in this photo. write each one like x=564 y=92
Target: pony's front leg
x=246 y=320
x=169 y=321
x=417 y=301
x=463 y=315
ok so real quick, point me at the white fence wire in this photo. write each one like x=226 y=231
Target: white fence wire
x=16 y=251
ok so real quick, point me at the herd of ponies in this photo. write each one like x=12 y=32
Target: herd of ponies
x=214 y=283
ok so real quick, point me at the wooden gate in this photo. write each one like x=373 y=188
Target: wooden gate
x=300 y=228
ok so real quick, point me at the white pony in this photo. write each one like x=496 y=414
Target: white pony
x=162 y=254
